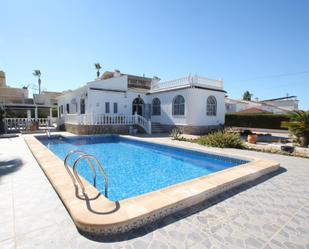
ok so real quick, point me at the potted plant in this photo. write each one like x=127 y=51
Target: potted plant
x=251 y=138
x=299 y=126
x=34 y=126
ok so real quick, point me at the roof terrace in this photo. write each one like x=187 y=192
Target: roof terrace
x=187 y=81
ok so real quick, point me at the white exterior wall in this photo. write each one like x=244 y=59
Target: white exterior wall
x=94 y=99
x=97 y=101
x=198 y=105
x=195 y=107
x=77 y=95
x=166 y=99
x=117 y=83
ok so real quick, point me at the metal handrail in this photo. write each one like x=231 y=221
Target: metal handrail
x=100 y=168
x=72 y=152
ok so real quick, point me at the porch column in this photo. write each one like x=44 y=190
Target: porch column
x=36 y=114
x=51 y=112
x=28 y=114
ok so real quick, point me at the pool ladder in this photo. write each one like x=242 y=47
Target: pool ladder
x=89 y=159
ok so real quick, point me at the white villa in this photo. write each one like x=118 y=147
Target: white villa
x=118 y=103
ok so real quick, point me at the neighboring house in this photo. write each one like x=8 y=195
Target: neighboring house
x=289 y=102
x=269 y=106
x=17 y=99
x=117 y=101
x=254 y=110
x=46 y=98
x=11 y=94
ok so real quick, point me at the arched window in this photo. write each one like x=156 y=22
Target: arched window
x=156 y=107
x=211 y=109
x=179 y=105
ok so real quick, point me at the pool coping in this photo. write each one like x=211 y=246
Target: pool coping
x=98 y=215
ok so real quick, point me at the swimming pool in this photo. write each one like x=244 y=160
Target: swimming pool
x=94 y=214
x=134 y=167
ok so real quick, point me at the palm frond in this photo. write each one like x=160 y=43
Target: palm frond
x=37 y=73
x=298 y=124
x=97 y=66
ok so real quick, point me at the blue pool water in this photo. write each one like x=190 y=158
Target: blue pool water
x=134 y=168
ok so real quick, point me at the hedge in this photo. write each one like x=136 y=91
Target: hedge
x=268 y=121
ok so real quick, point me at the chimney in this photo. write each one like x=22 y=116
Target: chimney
x=2 y=79
x=117 y=73
x=155 y=80
x=25 y=92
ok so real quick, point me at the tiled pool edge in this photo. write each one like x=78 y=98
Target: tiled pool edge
x=106 y=218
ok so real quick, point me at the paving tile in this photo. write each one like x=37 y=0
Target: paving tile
x=6 y=215
x=6 y=230
x=45 y=238
x=7 y=244
x=33 y=222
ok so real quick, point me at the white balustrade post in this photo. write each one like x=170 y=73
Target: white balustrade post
x=135 y=118
x=36 y=114
x=92 y=118
x=149 y=126
x=28 y=115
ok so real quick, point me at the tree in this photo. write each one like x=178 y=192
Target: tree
x=98 y=67
x=247 y=96
x=37 y=73
x=299 y=126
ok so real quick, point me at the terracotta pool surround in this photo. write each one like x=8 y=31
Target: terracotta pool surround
x=95 y=214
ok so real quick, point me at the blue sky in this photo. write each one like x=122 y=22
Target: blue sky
x=261 y=46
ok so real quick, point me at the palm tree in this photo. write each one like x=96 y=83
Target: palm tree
x=247 y=96
x=98 y=67
x=299 y=126
x=37 y=73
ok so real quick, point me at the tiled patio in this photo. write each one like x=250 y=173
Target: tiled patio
x=272 y=212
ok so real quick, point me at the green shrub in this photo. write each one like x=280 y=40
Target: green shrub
x=176 y=133
x=221 y=139
x=299 y=126
x=268 y=121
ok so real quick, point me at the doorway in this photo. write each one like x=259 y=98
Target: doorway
x=137 y=106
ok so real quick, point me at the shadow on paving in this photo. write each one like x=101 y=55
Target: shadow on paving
x=167 y=220
x=9 y=166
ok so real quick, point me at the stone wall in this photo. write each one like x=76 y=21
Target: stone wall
x=124 y=129
x=97 y=129
x=189 y=129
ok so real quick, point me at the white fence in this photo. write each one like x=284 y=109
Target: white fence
x=92 y=119
x=189 y=80
x=19 y=124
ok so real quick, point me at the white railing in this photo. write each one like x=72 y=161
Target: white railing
x=188 y=81
x=17 y=124
x=102 y=119
x=141 y=121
